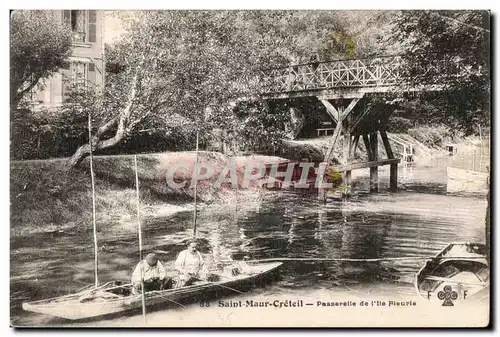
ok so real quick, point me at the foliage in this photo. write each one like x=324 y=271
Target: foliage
x=39 y=45
x=176 y=72
x=338 y=41
x=47 y=133
x=262 y=119
x=188 y=69
x=434 y=136
x=399 y=124
x=444 y=43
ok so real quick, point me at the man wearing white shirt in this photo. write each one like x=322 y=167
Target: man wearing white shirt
x=190 y=265
x=153 y=272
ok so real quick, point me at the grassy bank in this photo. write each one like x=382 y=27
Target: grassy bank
x=45 y=196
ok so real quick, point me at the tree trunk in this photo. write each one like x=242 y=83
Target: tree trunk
x=98 y=144
x=80 y=154
x=122 y=123
x=297 y=122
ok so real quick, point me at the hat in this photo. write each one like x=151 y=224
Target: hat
x=190 y=241
x=151 y=259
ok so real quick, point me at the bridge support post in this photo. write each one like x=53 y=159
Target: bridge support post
x=394 y=167
x=346 y=156
x=374 y=170
x=394 y=178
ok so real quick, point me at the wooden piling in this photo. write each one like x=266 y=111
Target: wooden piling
x=394 y=167
x=374 y=170
x=394 y=178
x=346 y=175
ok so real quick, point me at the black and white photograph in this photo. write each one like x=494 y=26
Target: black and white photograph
x=250 y=168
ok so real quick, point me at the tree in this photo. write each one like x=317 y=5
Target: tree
x=177 y=66
x=448 y=43
x=39 y=45
x=187 y=67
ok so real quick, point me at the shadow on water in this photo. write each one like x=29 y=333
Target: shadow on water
x=283 y=224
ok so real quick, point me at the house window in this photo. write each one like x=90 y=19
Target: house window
x=83 y=24
x=79 y=75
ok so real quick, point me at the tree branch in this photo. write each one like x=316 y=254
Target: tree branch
x=20 y=92
x=106 y=127
x=123 y=118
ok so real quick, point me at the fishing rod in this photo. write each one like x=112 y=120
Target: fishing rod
x=91 y=157
x=143 y=299
x=195 y=184
x=315 y=259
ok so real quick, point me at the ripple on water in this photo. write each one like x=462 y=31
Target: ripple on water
x=283 y=225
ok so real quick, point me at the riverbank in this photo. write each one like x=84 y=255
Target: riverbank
x=427 y=143
x=45 y=196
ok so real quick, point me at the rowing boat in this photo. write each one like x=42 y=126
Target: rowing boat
x=117 y=296
x=460 y=270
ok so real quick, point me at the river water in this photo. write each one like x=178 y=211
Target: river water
x=420 y=219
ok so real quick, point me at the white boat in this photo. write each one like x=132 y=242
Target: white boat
x=118 y=297
x=460 y=269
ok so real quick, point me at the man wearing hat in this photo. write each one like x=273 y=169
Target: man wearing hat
x=153 y=272
x=190 y=265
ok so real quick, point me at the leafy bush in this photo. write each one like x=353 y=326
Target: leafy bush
x=400 y=124
x=432 y=136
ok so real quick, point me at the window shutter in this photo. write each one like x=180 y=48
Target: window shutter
x=67 y=17
x=92 y=26
x=91 y=75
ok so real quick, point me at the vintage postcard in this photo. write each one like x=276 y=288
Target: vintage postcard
x=250 y=168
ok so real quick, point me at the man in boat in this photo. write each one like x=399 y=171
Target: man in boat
x=190 y=265
x=154 y=274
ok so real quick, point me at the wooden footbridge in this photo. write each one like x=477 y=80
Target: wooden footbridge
x=358 y=96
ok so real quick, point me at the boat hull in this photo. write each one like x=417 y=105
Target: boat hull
x=460 y=267
x=76 y=307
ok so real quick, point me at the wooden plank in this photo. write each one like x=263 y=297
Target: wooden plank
x=360 y=118
x=368 y=147
x=374 y=169
x=325 y=131
x=393 y=179
x=346 y=175
x=331 y=94
x=367 y=164
x=350 y=92
x=350 y=107
x=330 y=109
x=335 y=137
x=354 y=145
x=387 y=145
x=374 y=144
x=346 y=144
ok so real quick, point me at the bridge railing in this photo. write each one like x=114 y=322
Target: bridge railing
x=371 y=72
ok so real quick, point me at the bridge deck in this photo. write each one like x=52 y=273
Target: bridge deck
x=349 y=78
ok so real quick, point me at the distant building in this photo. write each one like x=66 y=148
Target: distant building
x=86 y=62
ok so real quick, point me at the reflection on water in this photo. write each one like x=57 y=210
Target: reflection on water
x=283 y=224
